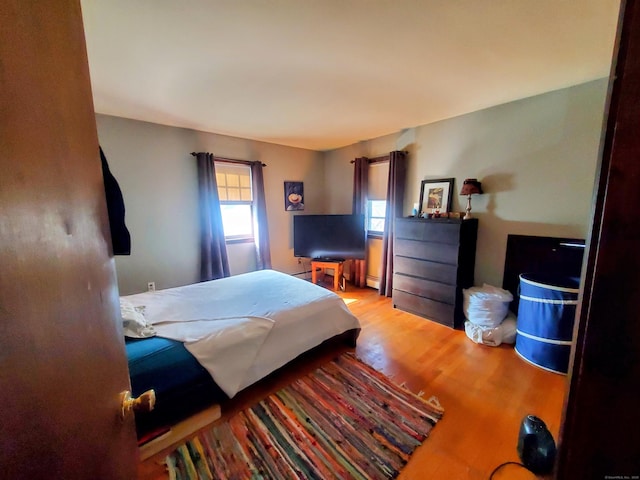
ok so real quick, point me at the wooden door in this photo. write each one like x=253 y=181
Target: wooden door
x=600 y=437
x=62 y=360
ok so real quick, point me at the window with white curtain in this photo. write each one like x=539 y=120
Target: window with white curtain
x=236 y=199
x=377 y=192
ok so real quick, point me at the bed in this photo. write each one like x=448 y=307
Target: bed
x=206 y=342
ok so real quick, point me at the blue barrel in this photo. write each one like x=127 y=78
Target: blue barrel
x=544 y=334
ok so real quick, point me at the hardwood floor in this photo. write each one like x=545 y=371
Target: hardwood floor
x=486 y=391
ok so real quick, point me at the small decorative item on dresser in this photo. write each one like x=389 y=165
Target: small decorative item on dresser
x=436 y=195
x=471 y=186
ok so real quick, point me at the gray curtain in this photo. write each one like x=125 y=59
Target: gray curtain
x=260 y=225
x=395 y=200
x=360 y=197
x=214 y=262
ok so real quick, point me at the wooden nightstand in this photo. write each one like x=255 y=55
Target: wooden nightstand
x=337 y=266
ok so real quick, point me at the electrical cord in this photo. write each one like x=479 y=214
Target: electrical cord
x=307 y=273
x=502 y=465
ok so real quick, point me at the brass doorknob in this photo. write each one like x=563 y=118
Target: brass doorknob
x=144 y=403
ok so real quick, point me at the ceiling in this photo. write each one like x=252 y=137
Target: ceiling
x=322 y=74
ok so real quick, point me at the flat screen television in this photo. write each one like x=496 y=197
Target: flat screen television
x=329 y=237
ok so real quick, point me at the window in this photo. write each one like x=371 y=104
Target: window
x=377 y=192
x=375 y=216
x=236 y=198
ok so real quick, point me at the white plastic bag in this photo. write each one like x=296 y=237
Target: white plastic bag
x=486 y=306
x=503 y=333
x=508 y=327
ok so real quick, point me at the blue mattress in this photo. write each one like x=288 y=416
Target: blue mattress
x=183 y=387
x=181 y=384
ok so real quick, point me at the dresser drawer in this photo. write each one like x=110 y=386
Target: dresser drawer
x=436 y=252
x=438 y=312
x=428 y=231
x=425 y=288
x=433 y=260
x=439 y=272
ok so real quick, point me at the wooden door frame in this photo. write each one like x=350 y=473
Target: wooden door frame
x=599 y=436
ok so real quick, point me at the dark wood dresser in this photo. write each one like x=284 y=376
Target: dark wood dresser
x=434 y=260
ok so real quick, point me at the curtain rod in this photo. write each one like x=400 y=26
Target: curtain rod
x=230 y=160
x=383 y=158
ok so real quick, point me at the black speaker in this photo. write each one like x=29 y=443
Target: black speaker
x=536 y=447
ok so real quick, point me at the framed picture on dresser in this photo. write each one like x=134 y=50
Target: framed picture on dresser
x=436 y=195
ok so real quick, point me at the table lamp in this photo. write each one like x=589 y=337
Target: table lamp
x=471 y=186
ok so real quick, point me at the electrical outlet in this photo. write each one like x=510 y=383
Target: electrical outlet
x=151 y=286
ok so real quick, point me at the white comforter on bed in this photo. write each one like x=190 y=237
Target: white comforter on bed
x=244 y=327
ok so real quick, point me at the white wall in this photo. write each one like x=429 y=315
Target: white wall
x=158 y=178
x=536 y=159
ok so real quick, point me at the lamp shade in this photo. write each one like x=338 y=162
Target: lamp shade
x=471 y=186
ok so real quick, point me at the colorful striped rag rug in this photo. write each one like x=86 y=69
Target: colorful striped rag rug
x=344 y=420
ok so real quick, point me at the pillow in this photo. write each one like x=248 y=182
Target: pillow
x=133 y=322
